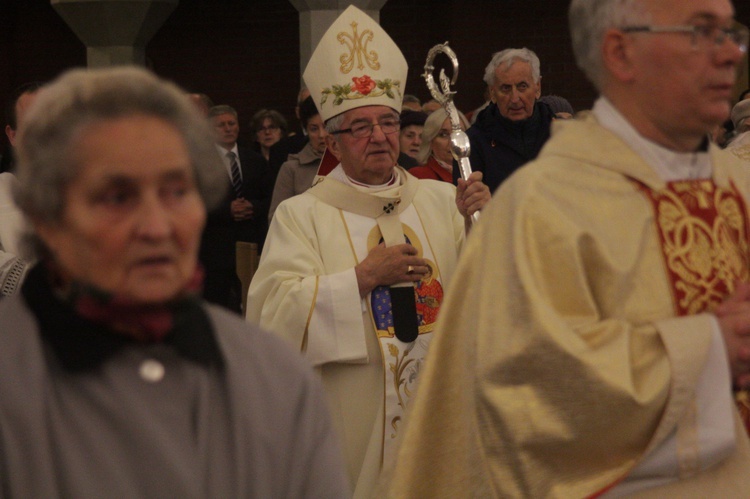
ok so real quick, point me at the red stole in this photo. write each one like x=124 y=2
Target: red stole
x=703 y=230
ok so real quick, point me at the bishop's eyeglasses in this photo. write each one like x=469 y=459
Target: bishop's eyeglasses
x=704 y=36
x=362 y=130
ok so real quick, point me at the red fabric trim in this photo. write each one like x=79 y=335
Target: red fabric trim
x=432 y=171
x=703 y=230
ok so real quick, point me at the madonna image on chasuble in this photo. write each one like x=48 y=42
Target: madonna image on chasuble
x=403 y=361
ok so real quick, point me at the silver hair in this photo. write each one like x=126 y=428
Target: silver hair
x=508 y=57
x=589 y=20
x=431 y=129
x=80 y=99
x=220 y=109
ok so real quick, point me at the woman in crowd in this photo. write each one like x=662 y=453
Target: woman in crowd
x=117 y=379
x=269 y=127
x=410 y=137
x=298 y=172
x=435 y=151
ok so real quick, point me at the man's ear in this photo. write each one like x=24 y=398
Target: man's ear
x=11 y=134
x=539 y=88
x=333 y=146
x=617 y=55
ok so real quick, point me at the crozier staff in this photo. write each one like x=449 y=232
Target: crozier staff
x=117 y=379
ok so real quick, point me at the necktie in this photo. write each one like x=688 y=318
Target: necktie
x=236 y=177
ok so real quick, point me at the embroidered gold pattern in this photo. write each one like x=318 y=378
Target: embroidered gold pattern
x=703 y=230
x=403 y=376
x=704 y=236
x=357 y=45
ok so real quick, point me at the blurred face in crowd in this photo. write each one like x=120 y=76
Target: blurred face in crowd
x=369 y=160
x=227 y=129
x=132 y=216
x=514 y=91
x=317 y=134
x=22 y=105
x=414 y=106
x=269 y=133
x=441 y=144
x=410 y=139
x=681 y=83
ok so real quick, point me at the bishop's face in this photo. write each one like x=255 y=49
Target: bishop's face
x=369 y=160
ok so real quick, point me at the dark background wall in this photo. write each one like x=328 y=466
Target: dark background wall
x=246 y=52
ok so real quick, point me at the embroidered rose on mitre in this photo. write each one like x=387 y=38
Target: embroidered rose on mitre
x=364 y=84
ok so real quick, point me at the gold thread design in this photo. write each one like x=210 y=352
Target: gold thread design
x=357 y=45
x=403 y=375
x=706 y=254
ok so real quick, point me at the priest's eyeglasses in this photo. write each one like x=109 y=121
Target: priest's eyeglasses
x=362 y=130
x=704 y=36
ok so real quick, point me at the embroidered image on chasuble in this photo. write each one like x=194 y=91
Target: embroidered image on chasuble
x=403 y=361
x=703 y=229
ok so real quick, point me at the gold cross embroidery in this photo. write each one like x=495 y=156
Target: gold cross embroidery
x=357 y=45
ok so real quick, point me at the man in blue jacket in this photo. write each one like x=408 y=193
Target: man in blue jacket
x=511 y=132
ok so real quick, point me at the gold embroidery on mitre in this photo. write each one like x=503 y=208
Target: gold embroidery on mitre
x=357 y=45
x=703 y=230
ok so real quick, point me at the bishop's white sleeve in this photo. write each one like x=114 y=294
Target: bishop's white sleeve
x=301 y=297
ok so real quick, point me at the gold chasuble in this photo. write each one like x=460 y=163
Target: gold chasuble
x=703 y=229
x=575 y=354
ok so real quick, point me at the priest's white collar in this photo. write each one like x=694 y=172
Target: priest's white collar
x=668 y=164
x=339 y=174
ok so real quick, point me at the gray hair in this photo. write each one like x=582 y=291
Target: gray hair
x=222 y=109
x=431 y=129
x=82 y=98
x=508 y=57
x=588 y=21
x=334 y=124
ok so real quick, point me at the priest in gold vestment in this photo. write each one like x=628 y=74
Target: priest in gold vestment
x=603 y=310
x=341 y=261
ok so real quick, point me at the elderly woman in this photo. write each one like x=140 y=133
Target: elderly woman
x=298 y=172
x=269 y=127
x=117 y=380
x=435 y=150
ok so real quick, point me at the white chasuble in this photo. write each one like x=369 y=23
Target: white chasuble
x=389 y=217
x=306 y=290
x=401 y=361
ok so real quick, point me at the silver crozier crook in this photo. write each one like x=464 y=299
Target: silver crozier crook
x=460 y=147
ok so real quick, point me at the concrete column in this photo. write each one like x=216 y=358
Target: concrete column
x=115 y=32
x=316 y=16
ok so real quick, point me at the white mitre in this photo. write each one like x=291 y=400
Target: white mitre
x=355 y=64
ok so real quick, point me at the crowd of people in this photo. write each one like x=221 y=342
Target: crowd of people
x=588 y=335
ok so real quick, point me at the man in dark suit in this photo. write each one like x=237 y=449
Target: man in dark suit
x=242 y=216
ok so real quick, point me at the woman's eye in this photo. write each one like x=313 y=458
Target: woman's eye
x=115 y=197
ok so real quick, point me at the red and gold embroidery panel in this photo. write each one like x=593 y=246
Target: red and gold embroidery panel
x=704 y=236
x=703 y=230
